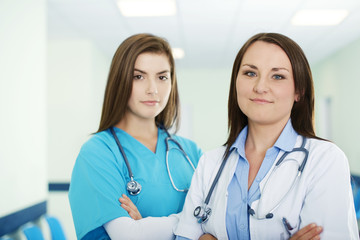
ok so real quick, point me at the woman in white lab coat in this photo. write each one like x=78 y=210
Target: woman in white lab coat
x=278 y=176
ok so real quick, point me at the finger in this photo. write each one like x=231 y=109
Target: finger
x=304 y=230
x=126 y=207
x=207 y=236
x=316 y=237
x=135 y=215
x=126 y=197
x=130 y=205
x=313 y=233
x=122 y=199
x=126 y=200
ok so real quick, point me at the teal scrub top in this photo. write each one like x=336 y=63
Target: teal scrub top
x=100 y=176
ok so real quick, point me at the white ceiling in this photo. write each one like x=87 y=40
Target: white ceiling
x=210 y=31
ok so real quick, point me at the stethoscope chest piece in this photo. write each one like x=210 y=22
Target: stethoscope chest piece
x=202 y=214
x=133 y=187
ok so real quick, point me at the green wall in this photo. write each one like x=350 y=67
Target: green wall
x=337 y=80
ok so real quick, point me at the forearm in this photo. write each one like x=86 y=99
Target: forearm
x=160 y=228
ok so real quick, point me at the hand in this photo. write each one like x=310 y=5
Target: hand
x=309 y=232
x=207 y=236
x=130 y=207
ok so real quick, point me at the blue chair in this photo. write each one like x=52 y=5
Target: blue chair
x=5 y=238
x=57 y=232
x=357 y=203
x=32 y=232
x=355 y=185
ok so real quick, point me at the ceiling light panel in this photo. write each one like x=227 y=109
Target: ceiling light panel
x=319 y=17
x=147 y=8
x=178 y=53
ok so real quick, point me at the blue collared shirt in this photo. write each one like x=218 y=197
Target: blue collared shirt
x=239 y=197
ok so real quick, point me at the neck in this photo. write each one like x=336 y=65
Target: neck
x=262 y=137
x=143 y=128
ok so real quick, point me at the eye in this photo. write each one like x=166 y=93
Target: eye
x=136 y=77
x=278 y=77
x=163 y=78
x=250 y=74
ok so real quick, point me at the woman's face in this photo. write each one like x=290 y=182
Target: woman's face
x=265 y=84
x=151 y=86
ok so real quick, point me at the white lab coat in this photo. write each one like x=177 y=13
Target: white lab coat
x=322 y=195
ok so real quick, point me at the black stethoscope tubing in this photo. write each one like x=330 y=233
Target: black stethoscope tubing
x=300 y=149
x=216 y=179
x=122 y=153
x=202 y=213
x=133 y=187
x=300 y=170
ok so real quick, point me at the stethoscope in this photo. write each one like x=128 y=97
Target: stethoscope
x=134 y=187
x=202 y=213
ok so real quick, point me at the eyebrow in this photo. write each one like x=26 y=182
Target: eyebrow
x=273 y=69
x=277 y=69
x=162 y=72
x=143 y=72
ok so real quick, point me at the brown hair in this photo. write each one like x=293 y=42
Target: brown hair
x=302 y=113
x=119 y=84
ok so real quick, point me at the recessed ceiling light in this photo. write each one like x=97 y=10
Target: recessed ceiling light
x=147 y=8
x=178 y=53
x=312 y=17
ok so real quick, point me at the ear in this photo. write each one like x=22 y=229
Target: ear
x=297 y=97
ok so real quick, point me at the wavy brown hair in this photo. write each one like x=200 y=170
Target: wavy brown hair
x=302 y=113
x=119 y=84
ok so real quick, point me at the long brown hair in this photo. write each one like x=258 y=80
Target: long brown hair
x=302 y=113
x=120 y=79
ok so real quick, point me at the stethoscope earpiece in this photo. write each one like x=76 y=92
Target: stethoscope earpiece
x=133 y=187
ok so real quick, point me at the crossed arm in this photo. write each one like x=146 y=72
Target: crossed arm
x=309 y=232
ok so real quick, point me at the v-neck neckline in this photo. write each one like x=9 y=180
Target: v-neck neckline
x=140 y=143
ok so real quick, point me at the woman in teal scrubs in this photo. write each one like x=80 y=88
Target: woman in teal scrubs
x=141 y=102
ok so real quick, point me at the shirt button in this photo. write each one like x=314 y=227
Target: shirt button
x=258 y=179
x=244 y=200
x=242 y=226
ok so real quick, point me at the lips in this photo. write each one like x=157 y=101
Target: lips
x=260 y=100
x=150 y=102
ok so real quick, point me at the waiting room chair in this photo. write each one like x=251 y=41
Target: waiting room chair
x=32 y=232
x=57 y=232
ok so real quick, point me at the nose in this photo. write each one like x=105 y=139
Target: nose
x=261 y=85
x=152 y=87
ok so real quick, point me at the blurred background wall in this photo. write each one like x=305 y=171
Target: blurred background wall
x=51 y=92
